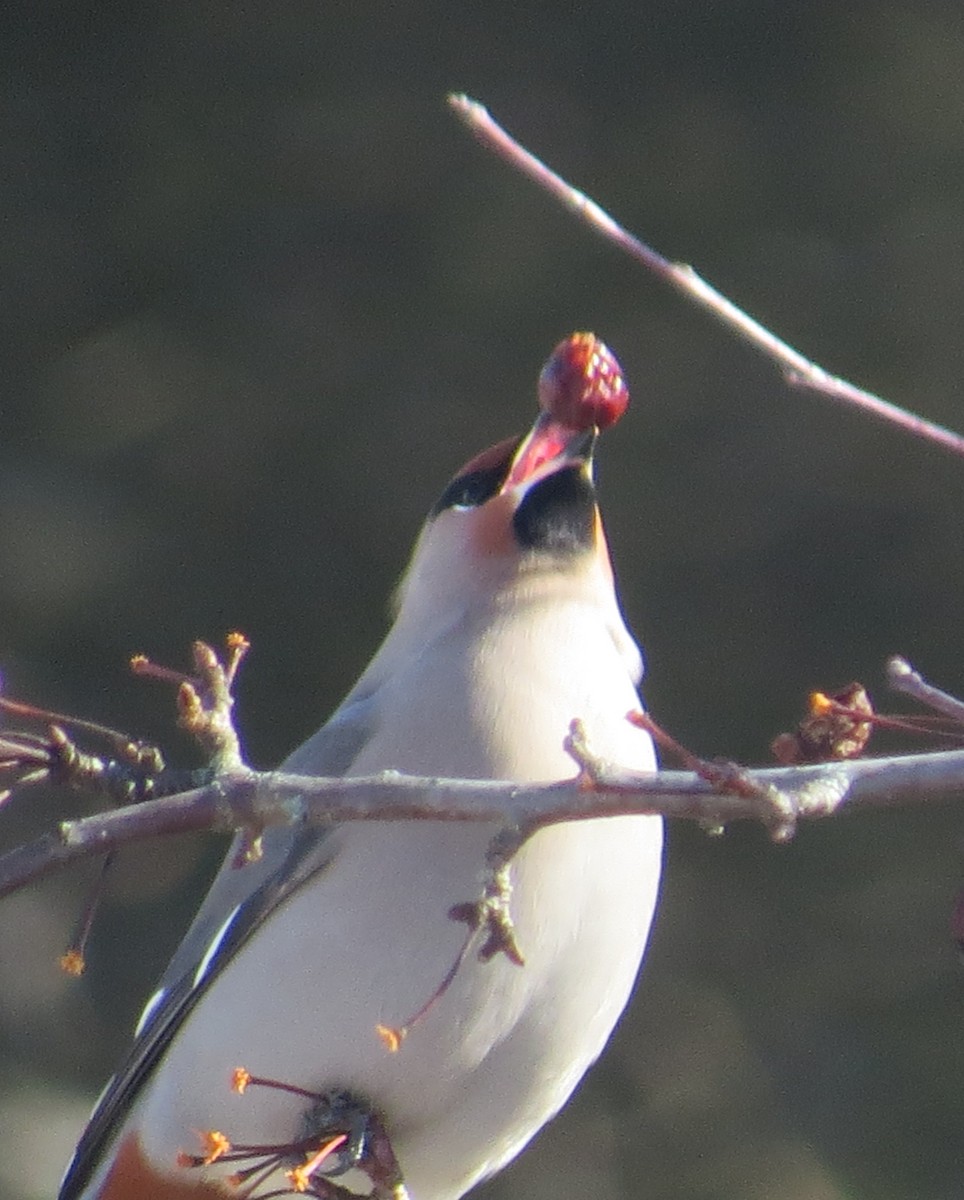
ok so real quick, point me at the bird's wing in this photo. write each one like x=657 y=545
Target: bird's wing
x=240 y=900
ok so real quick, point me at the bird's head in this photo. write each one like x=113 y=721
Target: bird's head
x=526 y=508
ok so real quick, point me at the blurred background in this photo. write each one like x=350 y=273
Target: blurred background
x=260 y=295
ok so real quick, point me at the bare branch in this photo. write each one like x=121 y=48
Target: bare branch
x=205 y=700
x=902 y=677
x=797 y=370
x=232 y=797
x=249 y=799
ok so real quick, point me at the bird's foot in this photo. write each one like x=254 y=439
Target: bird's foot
x=340 y=1133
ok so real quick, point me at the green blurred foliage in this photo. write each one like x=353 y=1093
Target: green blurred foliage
x=260 y=297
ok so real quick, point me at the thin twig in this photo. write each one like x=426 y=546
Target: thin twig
x=205 y=700
x=902 y=677
x=798 y=371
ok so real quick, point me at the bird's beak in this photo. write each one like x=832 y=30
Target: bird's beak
x=551 y=444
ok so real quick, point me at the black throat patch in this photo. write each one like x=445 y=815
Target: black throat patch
x=558 y=513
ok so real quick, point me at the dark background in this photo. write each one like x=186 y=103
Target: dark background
x=260 y=295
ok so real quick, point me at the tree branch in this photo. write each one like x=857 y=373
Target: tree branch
x=249 y=799
x=798 y=371
x=902 y=677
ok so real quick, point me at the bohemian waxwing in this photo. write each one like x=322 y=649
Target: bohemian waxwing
x=507 y=627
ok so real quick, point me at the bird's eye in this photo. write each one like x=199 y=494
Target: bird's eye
x=480 y=479
x=471 y=490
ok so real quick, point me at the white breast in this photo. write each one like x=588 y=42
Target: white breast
x=369 y=939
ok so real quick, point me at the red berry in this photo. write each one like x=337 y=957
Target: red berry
x=582 y=384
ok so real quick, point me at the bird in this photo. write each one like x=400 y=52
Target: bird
x=336 y=979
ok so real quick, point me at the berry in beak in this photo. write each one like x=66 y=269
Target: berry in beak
x=581 y=391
